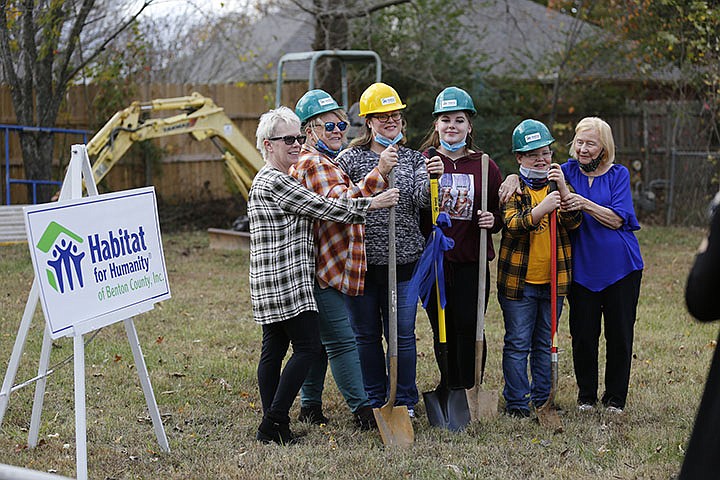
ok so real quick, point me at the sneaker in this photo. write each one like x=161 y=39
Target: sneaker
x=518 y=413
x=313 y=415
x=365 y=418
x=585 y=407
x=411 y=412
x=612 y=410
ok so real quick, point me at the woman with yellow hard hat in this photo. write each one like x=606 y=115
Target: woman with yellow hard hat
x=339 y=256
x=383 y=137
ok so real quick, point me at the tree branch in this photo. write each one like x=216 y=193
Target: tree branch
x=107 y=40
x=364 y=12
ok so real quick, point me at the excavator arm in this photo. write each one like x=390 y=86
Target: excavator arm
x=200 y=118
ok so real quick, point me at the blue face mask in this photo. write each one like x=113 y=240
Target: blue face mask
x=323 y=148
x=386 y=142
x=454 y=147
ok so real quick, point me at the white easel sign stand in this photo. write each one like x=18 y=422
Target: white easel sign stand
x=98 y=260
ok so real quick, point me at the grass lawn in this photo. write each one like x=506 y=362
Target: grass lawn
x=202 y=347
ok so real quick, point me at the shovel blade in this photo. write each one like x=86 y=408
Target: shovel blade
x=549 y=418
x=547 y=414
x=447 y=408
x=395 y=426
x=483 y=404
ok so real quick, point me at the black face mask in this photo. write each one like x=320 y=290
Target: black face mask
x=594 y=163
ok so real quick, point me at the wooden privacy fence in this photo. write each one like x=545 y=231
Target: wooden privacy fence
x=186 y=171
x=664 y=145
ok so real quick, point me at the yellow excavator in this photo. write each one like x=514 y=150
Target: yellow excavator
x=199 y=117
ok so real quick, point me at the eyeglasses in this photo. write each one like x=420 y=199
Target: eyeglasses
x=536 y=156
x=395 y=116
x=330 y=126
x=290 y=139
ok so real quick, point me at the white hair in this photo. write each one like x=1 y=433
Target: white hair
x=269 y=121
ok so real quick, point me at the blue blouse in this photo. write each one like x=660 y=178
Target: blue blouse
x=602 y=256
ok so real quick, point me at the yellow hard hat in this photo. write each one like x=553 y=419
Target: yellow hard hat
x=379 y=98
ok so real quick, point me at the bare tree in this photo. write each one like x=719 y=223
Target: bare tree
x=44 y=44
x=332 y=29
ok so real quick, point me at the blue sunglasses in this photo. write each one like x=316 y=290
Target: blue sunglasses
x=330 y=126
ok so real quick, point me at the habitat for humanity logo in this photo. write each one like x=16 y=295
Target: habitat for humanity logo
x=65 y=256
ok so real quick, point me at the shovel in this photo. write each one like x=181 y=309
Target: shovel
x=445 y=407
x=393 y=421
x=547 y=413
x=482 y=403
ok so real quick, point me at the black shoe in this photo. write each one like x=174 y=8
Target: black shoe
x=313 y=415
x=365 y=418
x=518 y=412
x=280 y=433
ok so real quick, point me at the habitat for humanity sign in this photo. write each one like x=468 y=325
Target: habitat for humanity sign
x=97 y=259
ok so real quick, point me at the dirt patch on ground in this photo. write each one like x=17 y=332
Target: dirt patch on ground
x=200 y=215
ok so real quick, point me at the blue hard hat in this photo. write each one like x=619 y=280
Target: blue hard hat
x=315 y=102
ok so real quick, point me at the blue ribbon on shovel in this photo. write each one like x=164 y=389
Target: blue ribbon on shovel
x=423 y=277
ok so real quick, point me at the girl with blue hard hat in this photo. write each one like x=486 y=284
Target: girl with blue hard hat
x=460 y=197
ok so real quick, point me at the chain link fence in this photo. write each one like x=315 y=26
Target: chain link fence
x=673 y=154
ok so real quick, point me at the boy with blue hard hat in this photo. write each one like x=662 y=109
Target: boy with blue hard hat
x=524 y=270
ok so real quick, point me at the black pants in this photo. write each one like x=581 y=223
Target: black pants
x=617 y=306
x=461 y=291
x=278 y=391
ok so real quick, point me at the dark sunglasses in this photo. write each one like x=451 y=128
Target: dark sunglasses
x=290 y=139
x=330 y=126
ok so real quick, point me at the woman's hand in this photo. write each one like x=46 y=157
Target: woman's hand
x=486 y=220
x=510 y=185
x=607 y=217
x=434 y=166
x=388 y=160
x=573 y=202
x=386 y=199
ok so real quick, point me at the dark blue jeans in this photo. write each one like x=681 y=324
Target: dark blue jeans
x=369 y=319
x=527 y=334
x=278 y=391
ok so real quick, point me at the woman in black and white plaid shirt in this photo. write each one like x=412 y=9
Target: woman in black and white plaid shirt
x=282 y=266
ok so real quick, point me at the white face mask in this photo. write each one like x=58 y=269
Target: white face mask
x=533 y=173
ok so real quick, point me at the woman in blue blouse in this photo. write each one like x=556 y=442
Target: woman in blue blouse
x=607 y=265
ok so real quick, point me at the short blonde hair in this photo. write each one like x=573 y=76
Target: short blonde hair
x=315 y=121
x=604 y=132
x=269 y=121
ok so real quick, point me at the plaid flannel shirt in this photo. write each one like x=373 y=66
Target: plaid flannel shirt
x=339 y=248
x=515 y=245
x=282 y=264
